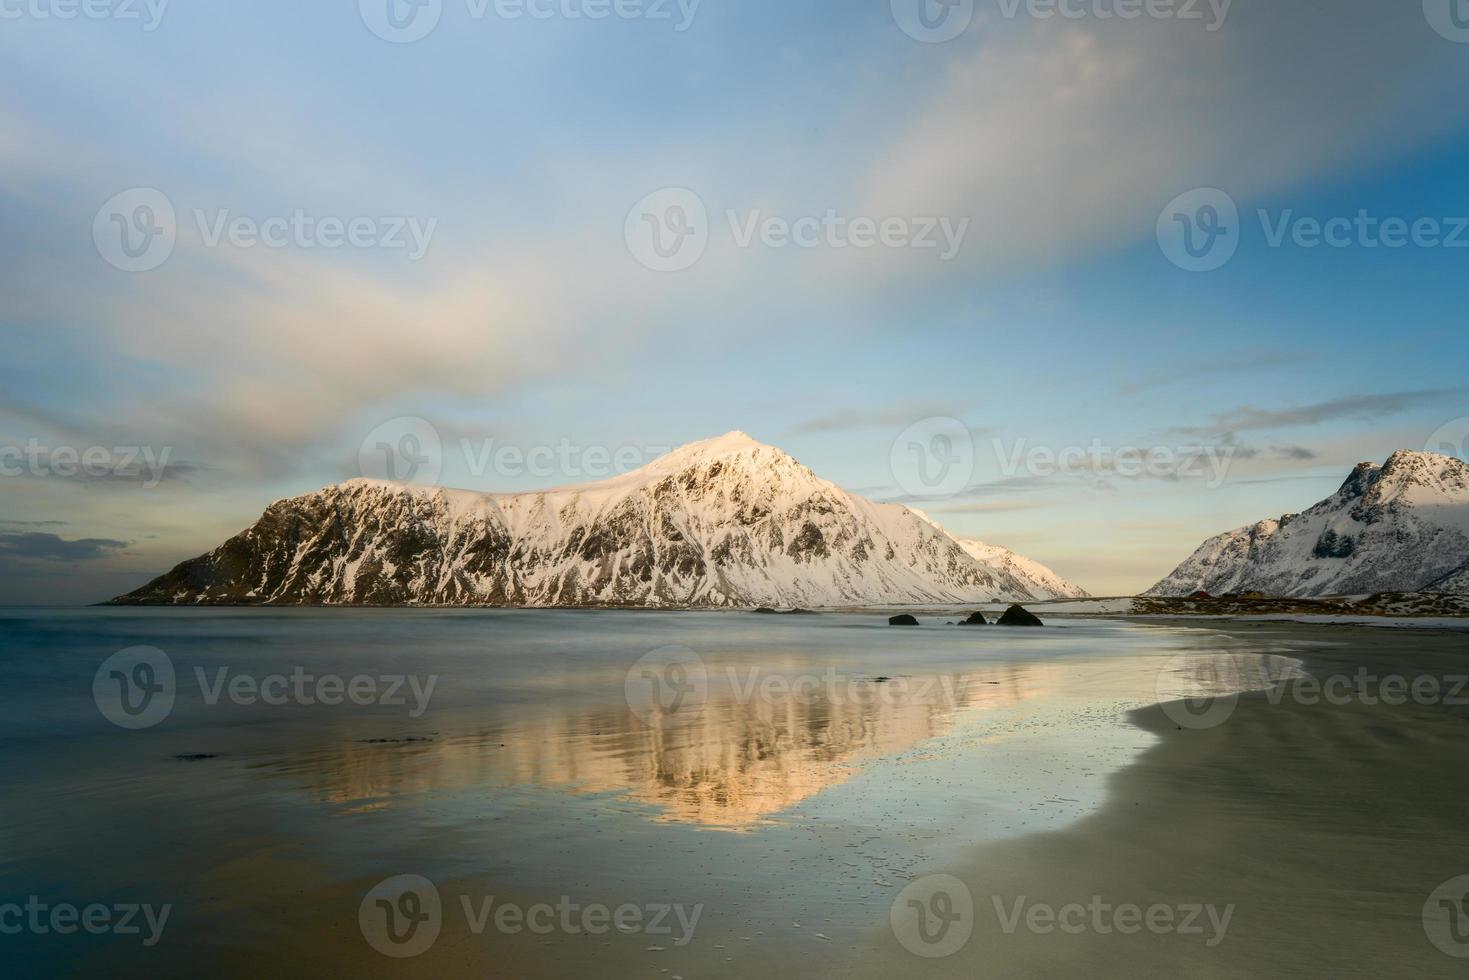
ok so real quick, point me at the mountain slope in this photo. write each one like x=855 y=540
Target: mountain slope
x=1400 y=527
x=1037 y=579
x=724 y=522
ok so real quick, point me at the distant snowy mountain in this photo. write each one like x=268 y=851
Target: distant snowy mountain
x=1401 y=527
x=724 y=522
x=1038 y=580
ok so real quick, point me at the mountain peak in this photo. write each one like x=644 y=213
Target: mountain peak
x=1420 y=458
x=1402 y=526
x=1409 y=468
x=726 y=521
x=733 y=443
x=735 y=440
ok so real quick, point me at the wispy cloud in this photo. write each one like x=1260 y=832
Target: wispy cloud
x=1063 y=133
x=1359 y=408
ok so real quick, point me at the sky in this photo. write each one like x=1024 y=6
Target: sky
x=1208 y=257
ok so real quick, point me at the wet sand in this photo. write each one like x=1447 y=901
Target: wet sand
x=1327 y=826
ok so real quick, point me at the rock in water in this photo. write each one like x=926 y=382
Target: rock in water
x=975 y=619
x=1019 y=616
x=903 y=620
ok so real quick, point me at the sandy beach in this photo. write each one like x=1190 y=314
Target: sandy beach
x=1285 y=834
x=1325 y=826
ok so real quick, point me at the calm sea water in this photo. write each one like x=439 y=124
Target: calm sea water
x=258 y=772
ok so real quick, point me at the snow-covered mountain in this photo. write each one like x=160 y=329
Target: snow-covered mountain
x=1401 y=527
x=724 y=522
x=1039 y=580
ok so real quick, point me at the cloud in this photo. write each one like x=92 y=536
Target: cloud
x=51 y=547
x=1060 y=136
x=1286 y=479
x=1361 y=408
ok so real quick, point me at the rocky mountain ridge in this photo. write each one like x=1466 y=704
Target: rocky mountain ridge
x=727 y=522
x=1400 y=527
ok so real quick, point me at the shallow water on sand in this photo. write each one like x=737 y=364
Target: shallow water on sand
x=785 y=775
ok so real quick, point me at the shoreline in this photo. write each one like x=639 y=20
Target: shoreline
x=1325 y=827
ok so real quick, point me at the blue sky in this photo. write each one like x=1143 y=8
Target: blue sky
x=531 y=319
